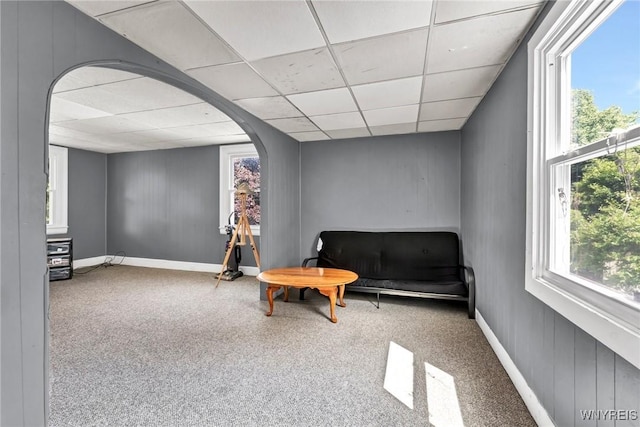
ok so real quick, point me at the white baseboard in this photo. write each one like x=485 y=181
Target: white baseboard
x=536 y=409
x=160 y=263
x=88 y=262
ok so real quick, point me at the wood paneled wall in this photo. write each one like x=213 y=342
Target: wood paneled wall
x=568 y=370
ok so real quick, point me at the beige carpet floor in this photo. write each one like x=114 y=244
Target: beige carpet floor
x=147 y=347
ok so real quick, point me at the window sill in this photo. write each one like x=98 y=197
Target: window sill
x=61 y=229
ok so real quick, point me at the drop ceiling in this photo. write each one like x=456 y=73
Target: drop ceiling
x=315 y=70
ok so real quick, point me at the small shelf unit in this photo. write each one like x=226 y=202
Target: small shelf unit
x=60 y=258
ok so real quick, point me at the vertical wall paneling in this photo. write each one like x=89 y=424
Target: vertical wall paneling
x=564 y=372
x=567 y=369
x=281 y=217
x=42 y=40
x=546 y=369
x=87 y=203
x=585 y=381
x=536 y=350
x=34 y=80
x=163 y=204
x=11 y=334
x=391 y=183
x=627 y=392
x=605 y=379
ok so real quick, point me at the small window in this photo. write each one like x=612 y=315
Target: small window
x=583 y=202
x=239 y=164
x=56 y=198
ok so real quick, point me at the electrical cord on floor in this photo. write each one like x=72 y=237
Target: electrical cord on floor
x=109 y=261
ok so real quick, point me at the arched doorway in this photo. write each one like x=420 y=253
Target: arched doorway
x=45 y=40
x=156 y=137
x=139 y=142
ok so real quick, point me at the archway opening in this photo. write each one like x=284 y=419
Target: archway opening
x=142 y=175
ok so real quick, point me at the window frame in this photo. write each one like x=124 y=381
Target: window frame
x=228 y=153
x=593 y=308
x=58 y=182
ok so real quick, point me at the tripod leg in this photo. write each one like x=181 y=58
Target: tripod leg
x=256 y=255
x=228 y=255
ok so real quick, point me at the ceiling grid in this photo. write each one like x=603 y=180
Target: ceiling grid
x=314 y=69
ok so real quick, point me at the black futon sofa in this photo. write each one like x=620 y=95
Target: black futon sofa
x=423 y=264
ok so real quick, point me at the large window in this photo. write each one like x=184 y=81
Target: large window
x=56 y=207
x=239 y=164
x=583 y=225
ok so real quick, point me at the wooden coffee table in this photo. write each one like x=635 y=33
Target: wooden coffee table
x=328 y=281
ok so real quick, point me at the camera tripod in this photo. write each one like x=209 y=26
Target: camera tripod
x=243 y=229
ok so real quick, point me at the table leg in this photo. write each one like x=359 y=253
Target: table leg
x=332 y=294
x=341 y=296
x=286 y=294
x=270 y=290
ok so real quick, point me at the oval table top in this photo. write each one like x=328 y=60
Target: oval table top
x=312 y=277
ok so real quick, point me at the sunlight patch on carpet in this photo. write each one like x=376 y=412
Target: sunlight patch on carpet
x=398 y=379
x=442 y=399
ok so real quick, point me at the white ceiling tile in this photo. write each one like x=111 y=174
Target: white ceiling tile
x=172 y=33
x=222 y=128
x=91 y=76
x=105 y=125
x=123 y=148
x=441 y=125
x=159 y=145
x=67 y=141
x=393 y=115
x=130 y=95
x=383 y=58
x=233 y=81
x=54 y=129
x=494 y=38
x=63 y=110
x=129 y=138
x=274 y=107
x=224 y=139
x=395 y=129
x=309 y=136
x=74 y=143
x=459 y=84
x=98 y=98
x=259 y=29
x=352 y=20
x=324 y=102
x=69 y=82
x=150 y=94
x=80 y=144
x=339 y=121
x=460 y=9
x=185 y=115
x=159 y=135
x=452 y=109
x=213 y=140
x=348 y=133
x=390 y=93
x=301 y=71
x=297 y=124
x=203 y=132
x=97 y=8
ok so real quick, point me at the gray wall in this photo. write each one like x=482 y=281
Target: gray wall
x=87 y=203
x=394 y=182
x=39 y=42
x=164 y=204
x=567 y=369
